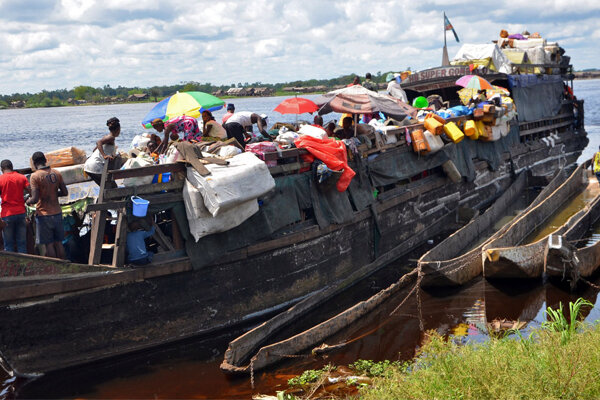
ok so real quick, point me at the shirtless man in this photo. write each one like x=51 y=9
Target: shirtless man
x=47 y=186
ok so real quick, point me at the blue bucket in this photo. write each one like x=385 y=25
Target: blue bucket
x=140 y=206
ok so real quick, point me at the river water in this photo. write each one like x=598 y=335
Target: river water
x=191 y=369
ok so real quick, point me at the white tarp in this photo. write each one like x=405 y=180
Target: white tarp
x=201 y=221
x=245 y=178
x=481 y=52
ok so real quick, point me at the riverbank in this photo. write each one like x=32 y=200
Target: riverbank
x=558 y=360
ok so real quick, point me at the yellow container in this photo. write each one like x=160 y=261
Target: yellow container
x=480 y=129
x=419 y=142
x=453 y=132
x=434 y=126
x=471 y=129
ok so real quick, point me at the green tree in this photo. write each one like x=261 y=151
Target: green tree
x=84 y=92
x=154 y=92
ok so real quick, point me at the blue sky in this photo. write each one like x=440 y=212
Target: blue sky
x=47 y=44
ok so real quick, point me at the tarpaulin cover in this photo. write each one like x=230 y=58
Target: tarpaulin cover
x=332 y=152
x=279 y=208
x=358 y=100
x=394 y=166
x=536 y=97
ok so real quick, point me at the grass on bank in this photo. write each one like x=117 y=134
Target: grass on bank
x=561 y=360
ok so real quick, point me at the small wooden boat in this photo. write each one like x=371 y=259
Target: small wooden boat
x=505 y=257
x=457 y=259
x=565 y=260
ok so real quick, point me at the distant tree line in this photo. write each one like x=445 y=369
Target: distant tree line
x=60 y=97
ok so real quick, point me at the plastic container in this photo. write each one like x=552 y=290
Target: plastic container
x=140 y=206
x=439 y=118
x=435 y=142
x=453 y=132
x=480 y=129
x=471 y=129
x=433 y=125
x=451 y=171
x=420 y=102
x=420 y=145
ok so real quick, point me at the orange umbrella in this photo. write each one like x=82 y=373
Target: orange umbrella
x=296 y=105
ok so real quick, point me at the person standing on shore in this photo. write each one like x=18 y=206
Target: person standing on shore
x=47 y=186
x=12 y=187
x=105 y=151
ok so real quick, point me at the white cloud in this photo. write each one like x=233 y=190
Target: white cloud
x=149 y=42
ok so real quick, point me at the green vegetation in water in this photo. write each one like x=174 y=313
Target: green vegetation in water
x=560 y=360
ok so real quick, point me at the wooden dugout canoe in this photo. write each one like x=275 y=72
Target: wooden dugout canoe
x=450 y=263
x=504 y=257
x=563 y=259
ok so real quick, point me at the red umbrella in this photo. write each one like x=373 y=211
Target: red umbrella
x=296 y=105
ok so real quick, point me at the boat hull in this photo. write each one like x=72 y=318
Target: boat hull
x=86 y=325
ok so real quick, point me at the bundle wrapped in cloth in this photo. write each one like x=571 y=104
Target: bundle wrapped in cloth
x=246 y=177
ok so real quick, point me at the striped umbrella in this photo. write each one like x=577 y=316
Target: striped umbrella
x=473 y=82
x=185 y=103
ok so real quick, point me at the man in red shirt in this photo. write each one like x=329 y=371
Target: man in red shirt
x=12 y=186
x=47 y=186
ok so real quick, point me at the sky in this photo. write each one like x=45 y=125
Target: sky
x=46 y=44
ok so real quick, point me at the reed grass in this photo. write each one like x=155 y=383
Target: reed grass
x=561 y=360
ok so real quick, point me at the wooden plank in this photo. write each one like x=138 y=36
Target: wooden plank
x=98 y=222
x=161 y=238
x=120 y=240
x=64 y=286
x=286 y=168
x=145 y=171
x=160 y=198
x=142 y=189
x=545 y=128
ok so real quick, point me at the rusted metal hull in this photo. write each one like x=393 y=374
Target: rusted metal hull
x=504 y=258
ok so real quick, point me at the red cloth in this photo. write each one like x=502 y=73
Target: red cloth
x=332 y=152
x=12 y=185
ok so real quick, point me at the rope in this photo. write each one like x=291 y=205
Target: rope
x=589 y=283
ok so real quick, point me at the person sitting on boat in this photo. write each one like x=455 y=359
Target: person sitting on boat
x=395 y=90
x=47 y=186
x=105 y=151
x=183 y=127
x=139 y=231
x=368 y=83
x=355 y=81
x=12 y=187
x=595 y=165
x=347 y=131
x=330 y=129
x=240 y=122
x=318 y=121
x=230 y=111
x=152 y=148
x=211 y=128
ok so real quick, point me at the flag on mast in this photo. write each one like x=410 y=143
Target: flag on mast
x=448 y=27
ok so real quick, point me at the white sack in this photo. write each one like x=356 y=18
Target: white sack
x=73 y=174
x=313 y=131
x=137 y=162
x=246 y=177
x=229 y=151
x=140 y=141
x=201 y=221
x=482 y=51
